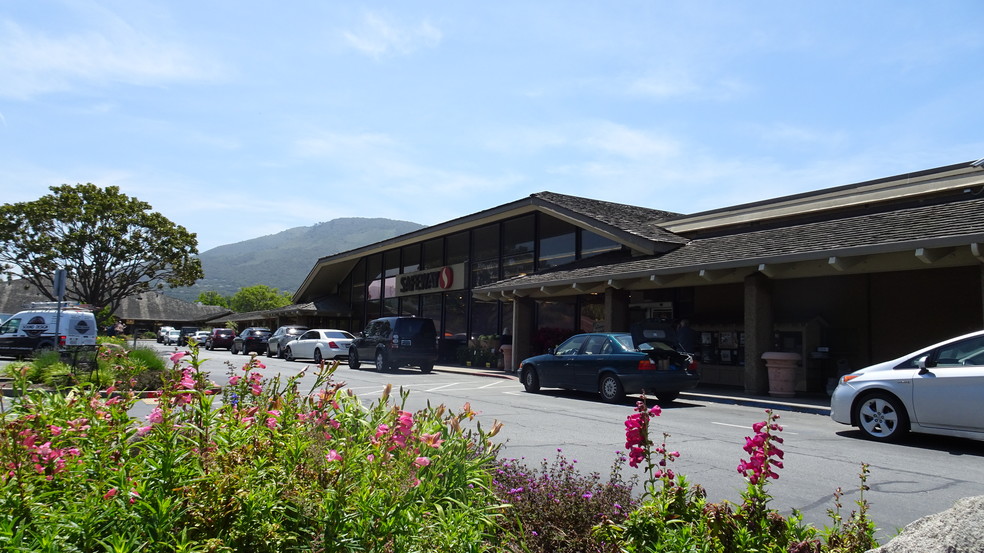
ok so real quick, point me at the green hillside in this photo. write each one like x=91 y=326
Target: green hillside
x=282 y=260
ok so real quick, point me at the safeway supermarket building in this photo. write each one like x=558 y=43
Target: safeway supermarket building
x=845 y=276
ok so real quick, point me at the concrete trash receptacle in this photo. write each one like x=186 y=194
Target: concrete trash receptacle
x=782 y=372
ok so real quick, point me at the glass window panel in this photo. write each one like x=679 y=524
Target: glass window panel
x=391 y=262
x=484 y=272
x=593 y=244
x=433 y=255
x=391 y=307
x=457 y=248
x=430 y=308
x=485 y=243
x=557 y=242
x=411 y=258
x=592 y=313
x=517 y=236
x=556 y=314
x=484 y=318
x=374 y=267
x=455 y=324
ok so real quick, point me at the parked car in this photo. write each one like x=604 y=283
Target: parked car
x=200 y=337
x=252 y=339
x=935 y=390
x=186 y=332
x=220 y=338
x=648 y=360
x=319 y=344
x=172 y=337
x=396 y=342
x=162 y=333
x=280 y=337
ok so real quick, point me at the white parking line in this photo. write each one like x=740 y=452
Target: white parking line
x=442 y=387
x=747 y=427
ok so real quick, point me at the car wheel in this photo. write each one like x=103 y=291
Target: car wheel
x=317 y=356
x=281 y=352
x=269 y=351
x=667 y=397
x=531 y=381
x=354 y=359
x=426 y=367
x=380 y=361
x=288 y=354
x=610 y=388
x=234 y=350
x=881 y=417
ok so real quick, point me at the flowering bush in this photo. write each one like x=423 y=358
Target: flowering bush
x=676 y=517
x=262 y=468
x=552 y=510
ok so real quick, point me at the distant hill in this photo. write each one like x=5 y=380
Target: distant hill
x=284 y=259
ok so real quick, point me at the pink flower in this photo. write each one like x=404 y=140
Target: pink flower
x=156 y=416
x=333 y=456
x=421 y=461
x=110 y=494
x=177 y=356
x=143 y=430
x=233 y=380
x=432 y=440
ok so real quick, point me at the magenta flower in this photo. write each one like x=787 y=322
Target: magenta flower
x=421 y=461
x=333 y=456
x=177 y=356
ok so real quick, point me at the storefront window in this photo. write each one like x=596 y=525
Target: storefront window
x=517 y=246
x=391 y=307
x=557 y=242
x=485 y=255
x=430 y=308
x=411 y=258
x=455 y=323
x=410 y=306
x=592 y=313
x=457 y=245
x=374 y=267
x=484 y=318
x=593 y=244
x=433 y=255
x=556 y=314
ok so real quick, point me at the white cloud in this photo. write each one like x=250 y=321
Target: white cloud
x=34 y=62
x=380 y=36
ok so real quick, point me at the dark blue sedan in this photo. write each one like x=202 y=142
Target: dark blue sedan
x=614 y=364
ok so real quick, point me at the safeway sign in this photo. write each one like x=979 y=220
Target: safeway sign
x=449 y=277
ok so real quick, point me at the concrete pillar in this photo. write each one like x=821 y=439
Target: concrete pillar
x=758 y=331
x=522 y=329
x=616 y=310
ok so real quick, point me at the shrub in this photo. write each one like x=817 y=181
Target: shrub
x=553 y=509
x=264 y=469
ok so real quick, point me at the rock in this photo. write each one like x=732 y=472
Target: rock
x=959 y=529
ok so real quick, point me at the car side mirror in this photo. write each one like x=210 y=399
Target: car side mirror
x=552 y=350
x=925 y=364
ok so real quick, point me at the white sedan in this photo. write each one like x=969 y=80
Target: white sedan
x=935 y=390
x=319 y=344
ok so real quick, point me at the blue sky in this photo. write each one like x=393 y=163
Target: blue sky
x=239 y=119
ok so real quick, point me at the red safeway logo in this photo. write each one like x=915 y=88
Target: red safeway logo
x=446 y=279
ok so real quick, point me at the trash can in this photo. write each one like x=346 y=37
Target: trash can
x=782 y=372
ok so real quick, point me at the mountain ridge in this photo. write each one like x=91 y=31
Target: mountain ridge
x=282 y=260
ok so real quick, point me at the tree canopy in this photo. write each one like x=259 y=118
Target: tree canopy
x=258 y=298
x=211 y=297
x=111 y=245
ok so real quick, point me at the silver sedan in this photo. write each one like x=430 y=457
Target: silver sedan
x=319 y=344
x=934 y=390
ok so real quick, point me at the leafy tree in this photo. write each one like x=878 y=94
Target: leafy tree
x=111 y=245
x=211 y=297
x=258 y=298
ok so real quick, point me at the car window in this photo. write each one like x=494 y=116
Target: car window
x=340 y=334
x=625 y=341
x=595 y=345
x=10 y=326
x=964 y=352
x=571 y=346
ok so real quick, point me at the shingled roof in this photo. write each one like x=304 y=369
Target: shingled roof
x=146 y=306
x=640 y=221
x=955 y=223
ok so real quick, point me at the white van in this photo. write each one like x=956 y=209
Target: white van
x=32 y=330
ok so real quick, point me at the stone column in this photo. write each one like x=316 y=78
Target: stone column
x=758 y=331
x=522 y=329
x=616 y=310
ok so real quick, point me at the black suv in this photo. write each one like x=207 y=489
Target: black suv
x=396 y=342
x=186 y=332
x=251 y=339
x=280 y=337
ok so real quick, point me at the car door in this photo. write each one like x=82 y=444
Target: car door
x=947 y=394
x=364 y=345
x=303 y=347
x=557 y=370
x=589 y=361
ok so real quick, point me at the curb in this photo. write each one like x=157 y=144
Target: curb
x=729 y=397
